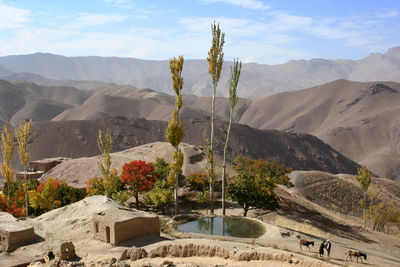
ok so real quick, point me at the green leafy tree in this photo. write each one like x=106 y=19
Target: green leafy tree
x=161 y=197
x=174 y=132
x=7 y=149
x=233 y=99
x=253 y=186
x=363 y=178
x=253 y=192
x=22 y=133
x=215 y=61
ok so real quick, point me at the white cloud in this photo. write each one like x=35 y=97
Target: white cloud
x=235 y=27
x=12 y=17
x=249 y=4
x=121 y=3
x=91 y=19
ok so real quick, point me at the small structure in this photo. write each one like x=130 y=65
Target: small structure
x=38 y=167
x=116 y=225
x=29 y=175
x=45 y=165
x=67 y=251
x=14 y=233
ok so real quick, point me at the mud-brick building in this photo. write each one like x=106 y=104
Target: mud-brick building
x=116 y=225
x=14 y=233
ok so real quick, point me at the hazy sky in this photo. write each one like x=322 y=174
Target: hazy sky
x=269 y=32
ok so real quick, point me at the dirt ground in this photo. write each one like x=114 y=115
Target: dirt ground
x=283 y=230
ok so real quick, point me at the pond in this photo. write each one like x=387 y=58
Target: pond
x=224 y=226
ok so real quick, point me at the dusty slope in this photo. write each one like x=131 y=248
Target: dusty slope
x=256 y=80
x=361 y=120
x=77 y=171
x=21 y=100
x=130 y=102
x=78 y=139
x=40 y=80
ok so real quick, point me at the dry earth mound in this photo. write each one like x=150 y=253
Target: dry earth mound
x=77 y=171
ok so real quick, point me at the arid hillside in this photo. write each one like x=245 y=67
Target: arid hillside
x=361 y=120
x=357 y=119
x=257 y=80
x=21 y=100
x=79 y=139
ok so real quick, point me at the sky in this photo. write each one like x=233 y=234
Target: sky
x=265 y=32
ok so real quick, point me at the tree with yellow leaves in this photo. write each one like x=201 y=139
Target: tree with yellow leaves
x=22 y=133
x=174 y=132
x=363 y=178
x=7 y=149
x=104 y=144
x=215 y=60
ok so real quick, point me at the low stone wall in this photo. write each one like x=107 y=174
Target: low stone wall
x=202 y=250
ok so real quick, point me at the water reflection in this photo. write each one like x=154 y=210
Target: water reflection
x=236 y=227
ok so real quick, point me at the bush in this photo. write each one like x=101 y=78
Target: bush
x=198 y=181
x=53 y=194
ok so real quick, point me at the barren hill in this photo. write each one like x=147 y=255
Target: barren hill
x=130 y=102
x=22 y=100
x=79 y=139
x=361 y=120
x=256 y=80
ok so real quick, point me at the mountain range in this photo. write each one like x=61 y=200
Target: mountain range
x=257 y=80
x=357 y=119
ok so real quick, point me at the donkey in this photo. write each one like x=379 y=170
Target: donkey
x=357 y=254
x=306 y=243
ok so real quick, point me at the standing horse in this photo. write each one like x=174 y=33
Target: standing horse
x=357 y=254
x=306 y=243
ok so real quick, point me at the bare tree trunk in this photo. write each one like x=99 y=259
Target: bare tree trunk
x=224 y=162
x=137 y=200
x=365 y=210
x=176 y=190
x=211 y=147
x=26 y=194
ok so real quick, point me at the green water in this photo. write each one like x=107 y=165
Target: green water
x=236 y=227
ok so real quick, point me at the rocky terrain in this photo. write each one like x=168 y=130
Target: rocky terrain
x=257 y=79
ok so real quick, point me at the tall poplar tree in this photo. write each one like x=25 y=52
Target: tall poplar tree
x=363 y=178
x=7 y=149
x=233 y=99
x=22 y=133
x=104 y=143
x=174 y=132
x=215 y=60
